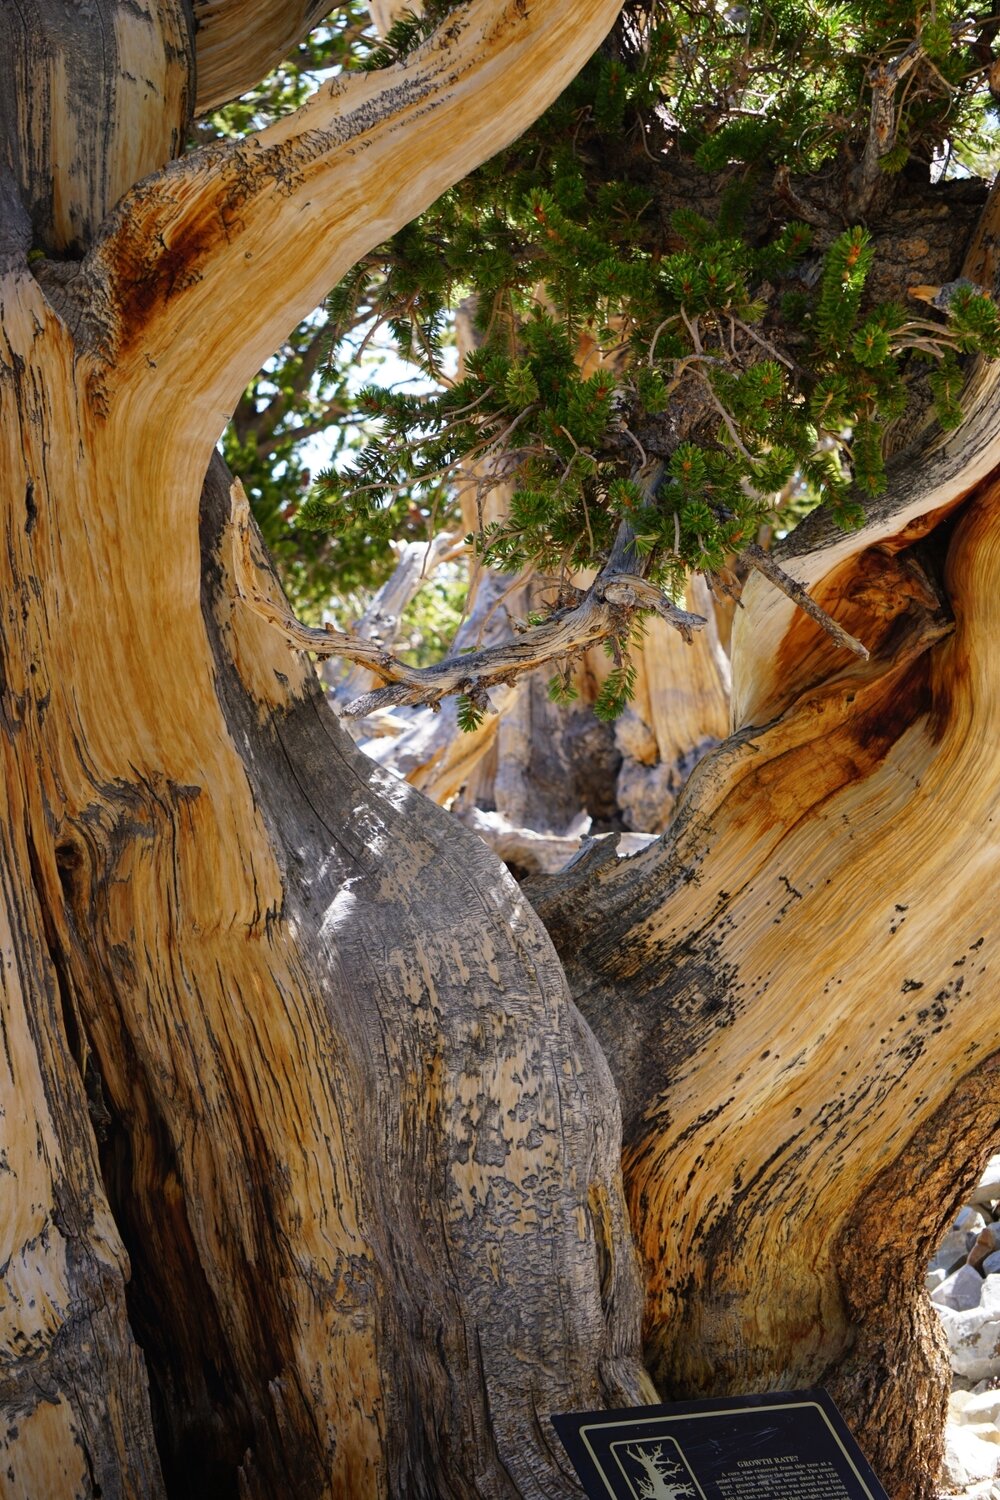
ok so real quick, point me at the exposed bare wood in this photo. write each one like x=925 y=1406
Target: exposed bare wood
x=294 y=1062
x=680 y=711
x=385 y=12
x=226 y=1036
x=416 y=564
x=237 y=42
x=222 y=254
x=80 y=125
x=431 y=752
x=208 y=982
x=785 y=1001
x=772 y=570
x=542 y=755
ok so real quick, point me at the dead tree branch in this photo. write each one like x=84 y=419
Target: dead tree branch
x=774 y=573
x=604 y=612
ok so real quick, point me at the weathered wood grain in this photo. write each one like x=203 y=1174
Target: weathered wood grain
x=796 y=985
x=345 y=1170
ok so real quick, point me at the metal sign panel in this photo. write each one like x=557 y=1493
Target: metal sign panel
x=788 y=1445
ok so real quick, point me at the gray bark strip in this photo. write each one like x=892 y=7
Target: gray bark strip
x=69 y=109
x=488 y=1100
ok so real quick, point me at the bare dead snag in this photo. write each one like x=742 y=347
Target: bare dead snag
x=416 y=563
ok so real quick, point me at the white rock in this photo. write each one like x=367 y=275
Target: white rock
x=991 y=1265
x=961 y=1291
x=969 y=1218
x=982 y=1408
x=988 y=1190
x=967 y=1459
x=973 y=1338
x=934 y=1278
x=984 y=1491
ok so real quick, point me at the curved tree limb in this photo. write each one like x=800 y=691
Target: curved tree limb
x=238 y=41
x=382 y=620
x=602 y=613
x=204 y=267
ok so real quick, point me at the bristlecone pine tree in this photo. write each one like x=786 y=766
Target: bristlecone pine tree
x=311 y=1169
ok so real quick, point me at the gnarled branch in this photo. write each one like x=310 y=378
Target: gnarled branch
x=602 y=613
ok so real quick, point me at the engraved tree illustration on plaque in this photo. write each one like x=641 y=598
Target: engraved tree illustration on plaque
x=663 y=1478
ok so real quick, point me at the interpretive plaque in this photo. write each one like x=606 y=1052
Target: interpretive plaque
x=791 y=1445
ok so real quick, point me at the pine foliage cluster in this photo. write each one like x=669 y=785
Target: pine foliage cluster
x=792 y=371
x=647 y=222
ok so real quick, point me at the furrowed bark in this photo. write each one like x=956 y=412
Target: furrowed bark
x=340 y=1130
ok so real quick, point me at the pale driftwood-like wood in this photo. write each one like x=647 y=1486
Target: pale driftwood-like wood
x=216 y=258
x=679 y=712
x=768 y=567
x=431 y=752
x=283 y=1054
x=385 y=12
x=303 y=1109
x=416 y=563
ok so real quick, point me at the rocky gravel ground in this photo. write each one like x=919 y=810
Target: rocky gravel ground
x=964 y=1284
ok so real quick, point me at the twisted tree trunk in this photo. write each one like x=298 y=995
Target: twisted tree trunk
x=795 y=987
x=310 y=1169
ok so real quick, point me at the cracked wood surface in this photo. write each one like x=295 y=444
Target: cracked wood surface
x=339 y=1127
